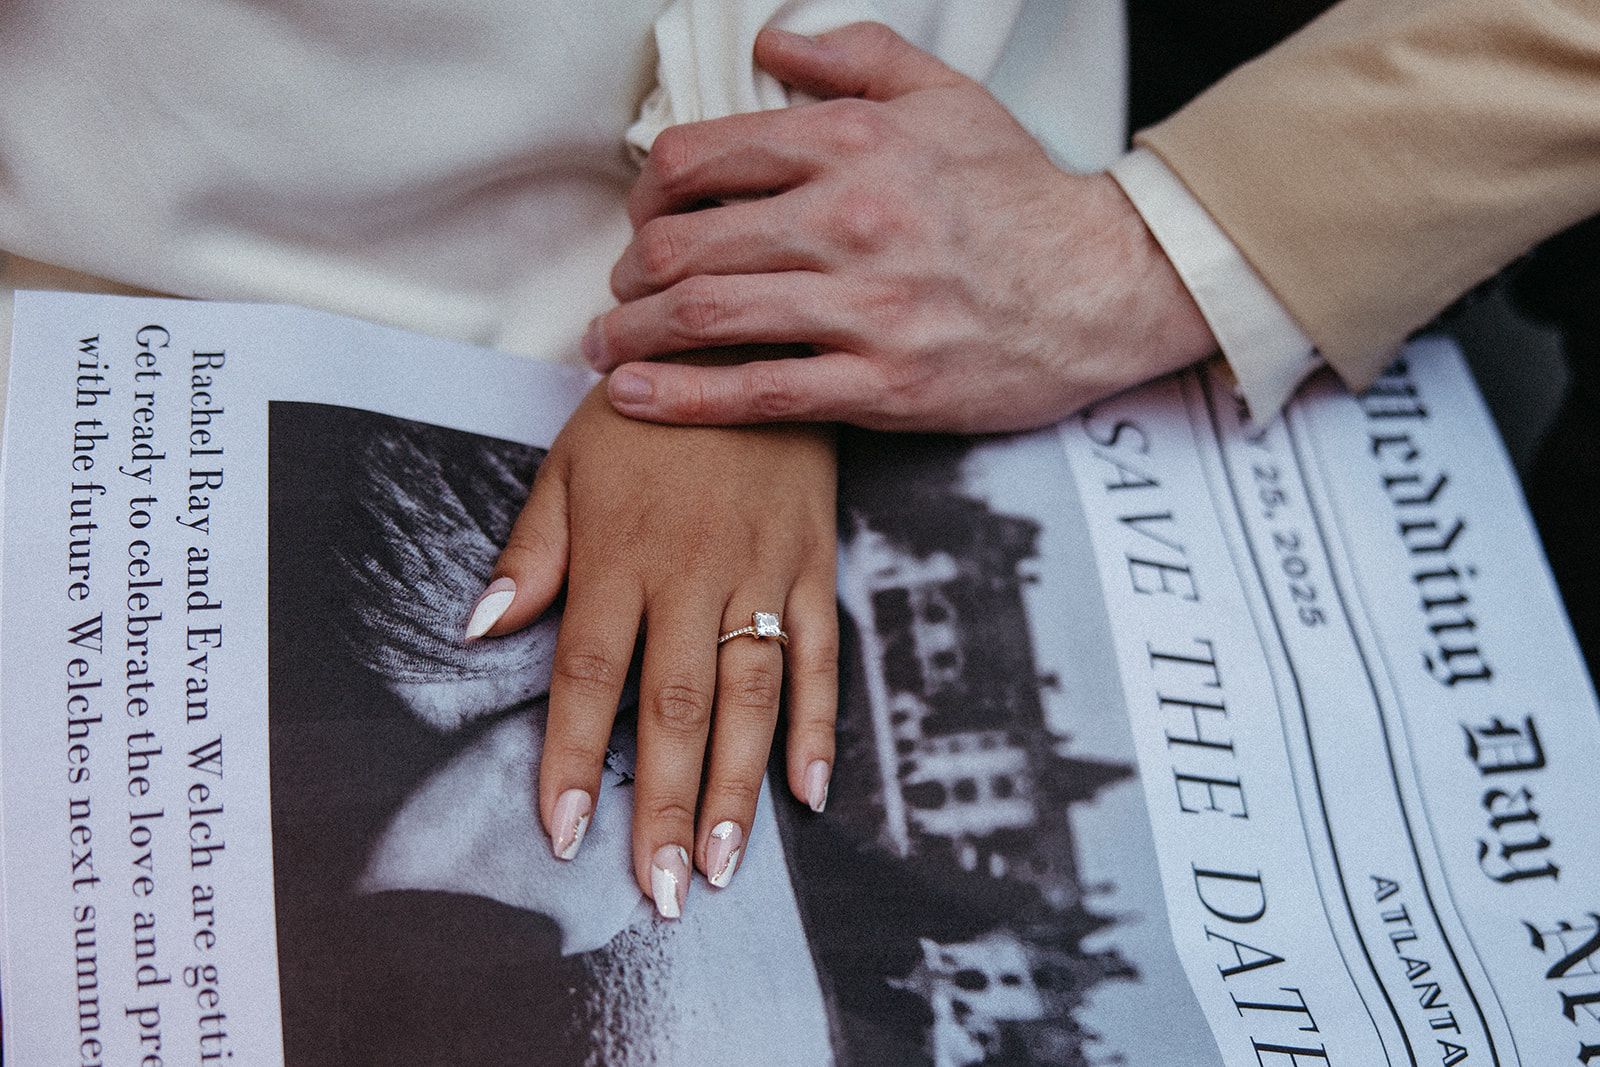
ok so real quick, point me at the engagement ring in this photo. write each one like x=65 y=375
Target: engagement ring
x=763 y=625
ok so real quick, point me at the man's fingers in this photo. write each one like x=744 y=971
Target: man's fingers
x=714 y=311
x=813 y=679
x=532 y=566
x=722 y=159
x=832 y=387
x=865 y=59
x=770 y=151
x=593 y=652
x=676 y=686
x=749 y=237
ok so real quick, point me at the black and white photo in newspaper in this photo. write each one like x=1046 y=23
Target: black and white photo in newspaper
x=944 y=911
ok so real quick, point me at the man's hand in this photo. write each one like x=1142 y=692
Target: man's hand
x=945 y=274
x=678 y=534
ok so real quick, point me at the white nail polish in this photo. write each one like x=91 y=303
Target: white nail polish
x=669 y=880
x=722 y=853
x=579 y=828
x=571 y=820
x=817 y=780
x=490 y=606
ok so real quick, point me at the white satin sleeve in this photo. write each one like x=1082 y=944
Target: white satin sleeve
x=1268 y=352
x=705 y=68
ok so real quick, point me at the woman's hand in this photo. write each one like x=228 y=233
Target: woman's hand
x=678 y=534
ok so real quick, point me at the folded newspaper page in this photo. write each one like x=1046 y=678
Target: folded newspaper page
x=1163 y=739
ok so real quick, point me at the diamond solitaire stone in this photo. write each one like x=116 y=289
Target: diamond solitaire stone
x=766 y=624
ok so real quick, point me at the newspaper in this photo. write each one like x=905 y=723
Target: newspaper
x=1163 y=738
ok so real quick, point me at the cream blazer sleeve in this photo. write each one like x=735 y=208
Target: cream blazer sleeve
x=1393 y=154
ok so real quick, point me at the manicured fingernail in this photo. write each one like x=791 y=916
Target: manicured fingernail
x=629 y=387
x=722 y=853
x=817 y=785
x=571 y=820
x=490 y=606
x=669 y=880
x=594 y=346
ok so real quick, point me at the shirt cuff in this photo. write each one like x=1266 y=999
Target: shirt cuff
x=1265 y=348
